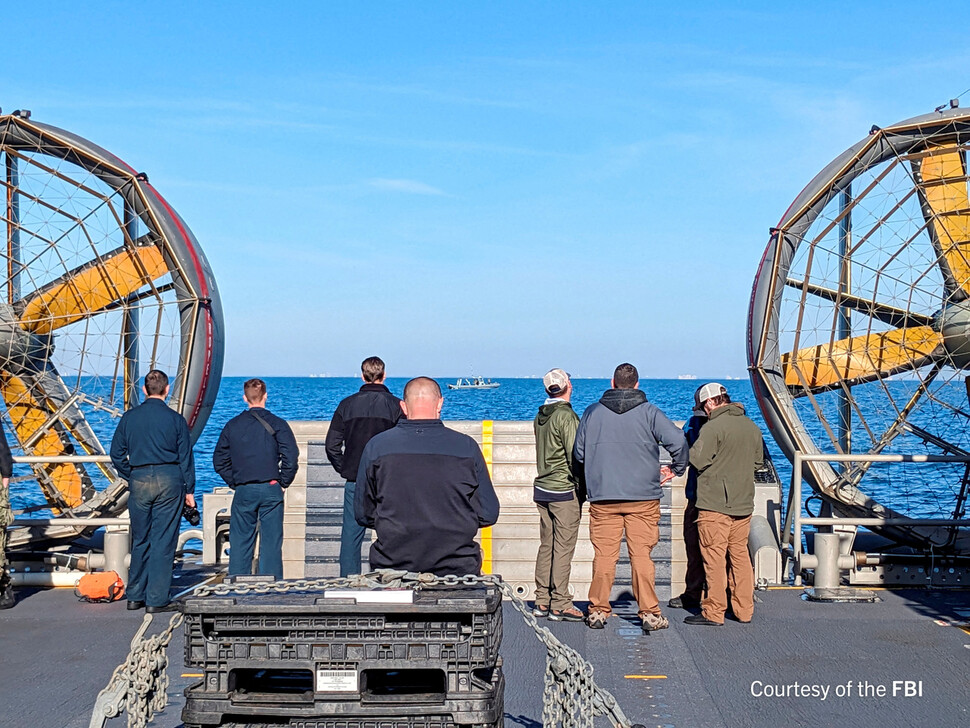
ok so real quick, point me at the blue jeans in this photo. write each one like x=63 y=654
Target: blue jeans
x=351 y=534
x=254 y=503
x=155 y=500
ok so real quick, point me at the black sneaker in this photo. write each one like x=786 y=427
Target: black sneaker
x=7 y=597
x=701 y=620
x=684 y=602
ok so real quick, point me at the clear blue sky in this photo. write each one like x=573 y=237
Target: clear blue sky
x=492 y=188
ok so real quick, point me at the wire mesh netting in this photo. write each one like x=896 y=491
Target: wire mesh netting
x=873 y=323
x=87 y=295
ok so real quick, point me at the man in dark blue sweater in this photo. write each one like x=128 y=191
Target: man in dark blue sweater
x=152 y=451
x=258 y=456
x=425 y=489
x=356 y=420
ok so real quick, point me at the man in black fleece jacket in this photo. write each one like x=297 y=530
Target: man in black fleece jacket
x=356 y=420
x=425 y=489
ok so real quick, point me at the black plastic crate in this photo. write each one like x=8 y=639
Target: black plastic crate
x=391 y=697
x=452 y=630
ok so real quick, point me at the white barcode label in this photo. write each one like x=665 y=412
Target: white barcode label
x=336 y=681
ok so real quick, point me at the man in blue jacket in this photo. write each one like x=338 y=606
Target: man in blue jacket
x=619 y=440
x=258 y=456
x=152 y=451
x=425 y=490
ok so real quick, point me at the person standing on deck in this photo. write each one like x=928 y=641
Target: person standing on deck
x=425 y=490
x=694 y=579
x=258 y=457
x=730 y=448
x=152 y=451
x=7 y=598
x=619 y=440
x=555 y=495
x=357 y=419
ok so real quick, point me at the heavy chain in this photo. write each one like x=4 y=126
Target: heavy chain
x=139 y=685
x=570 y=697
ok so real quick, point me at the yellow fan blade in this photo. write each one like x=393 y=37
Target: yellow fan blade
x=91 y=288
x=945 y=191
x=860 y=358
x=63 y=483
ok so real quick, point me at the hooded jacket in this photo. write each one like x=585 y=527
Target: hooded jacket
x=555 y=430
x=619 y=440
x=727 y=452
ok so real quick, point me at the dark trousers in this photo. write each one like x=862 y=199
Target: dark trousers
x=694 y=580
x=252 y=504
x=155 y=501
x=351 y=534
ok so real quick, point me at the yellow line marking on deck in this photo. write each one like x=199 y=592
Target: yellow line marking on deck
x=645 y=677
x=487 y=433
x=191 y=674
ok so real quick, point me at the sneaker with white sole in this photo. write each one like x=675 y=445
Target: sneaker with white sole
x=566 y=615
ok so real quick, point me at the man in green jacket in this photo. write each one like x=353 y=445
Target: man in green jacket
x=556 y=498
x=726 y=454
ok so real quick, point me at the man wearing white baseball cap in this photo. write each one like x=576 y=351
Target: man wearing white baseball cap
x=726 y=454
x=555 y=496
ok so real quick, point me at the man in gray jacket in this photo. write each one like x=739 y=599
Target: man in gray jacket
x=619 y=440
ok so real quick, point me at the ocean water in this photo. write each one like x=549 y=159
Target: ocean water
x=296 y=398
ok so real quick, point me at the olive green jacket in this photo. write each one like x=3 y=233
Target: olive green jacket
x=726 y=454
x=555 y=429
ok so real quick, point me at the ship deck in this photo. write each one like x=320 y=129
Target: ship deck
x=57 y=655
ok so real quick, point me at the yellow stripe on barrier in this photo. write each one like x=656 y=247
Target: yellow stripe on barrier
x=487 y=532
x=645 y=677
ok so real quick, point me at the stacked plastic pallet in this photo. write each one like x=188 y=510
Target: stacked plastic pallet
x=314 y=660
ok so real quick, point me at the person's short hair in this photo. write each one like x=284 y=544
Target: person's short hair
x=720 y=399
x=423 y=385
x=372 y=369
x=254 y=390
x=625 y=376
x=156 y=381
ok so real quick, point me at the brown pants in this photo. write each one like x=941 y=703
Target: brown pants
x=694 y=579
x=724 y=541
x=607 y=522
x=558 y=529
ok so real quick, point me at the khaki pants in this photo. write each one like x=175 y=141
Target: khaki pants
x=558 y=529
x=694 y=579
x=724 y=542
x=607 y=522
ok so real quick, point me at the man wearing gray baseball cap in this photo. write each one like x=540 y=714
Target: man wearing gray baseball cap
x=726 y=454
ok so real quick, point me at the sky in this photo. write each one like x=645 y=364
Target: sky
x=490 y=188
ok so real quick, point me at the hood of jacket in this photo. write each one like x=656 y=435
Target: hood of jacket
x=622 y=400
x=546 y=410
x=731 y=409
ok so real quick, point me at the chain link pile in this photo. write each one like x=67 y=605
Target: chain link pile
x=570 y=698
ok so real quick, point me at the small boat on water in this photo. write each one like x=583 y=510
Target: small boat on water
x=474 y=383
